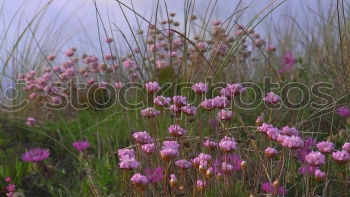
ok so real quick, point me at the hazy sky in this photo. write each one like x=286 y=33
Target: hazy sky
x=79 y=16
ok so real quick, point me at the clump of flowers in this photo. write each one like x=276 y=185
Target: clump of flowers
x=272 y=98
x=273 y=189
x=200 y=88
x=150 y=112
x=139 y=181
x=176 y=131
x=315 y=158
x=341 y=157
x=127 y=159
x=270 y=152
x=152 y=87
x=170 y=150
x=80 y=146
x=36 y=155
x=142 y=137
x=343 y=111
x=31 y=121
x=325 y=147
x=227 y=144
x=225 y=115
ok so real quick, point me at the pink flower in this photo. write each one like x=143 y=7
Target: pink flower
x=220 y=102
x=51 y=57
x=118 y=85
x=288 y=62
x=325 y=147
x=176 y=131
x=150 y=112
x=162 y=101
x=270 y=152
x=189 y=110
x=315 y=158
x=341 y=157
x=109 y=40
x=160 y=64
x=152 y=87
x=180 y=100
x=31 y=121
x=142 y=137
x=69 y=53
x=293 y=142
x=343 y=111
x=273 y=133
x=346 y=147
x=81 y=145
x=210 y=144
x=232 y=90
x=319 y=175
x=154 y=175
x=200 y=184
x=227 y=144
x=208 y=104
x=170 y=150
x=36 y=155
x=148 y=148
x=140 y=181
x=226 y=167
x=200 y=88
x=183 y=164
x=268 y=187
x=129 y=63
x=290 y=131
x=175 y=109
x=216 y=22
x=272 y=98
x=225 y=115
x=126 y=153
x=264 y=127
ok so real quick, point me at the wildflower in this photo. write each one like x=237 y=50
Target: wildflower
x=142 y=137
x=290 y=131
x=343 y=111
x=160 y=64
x=259 y=121
x=319 y=175
x=270 y=152
x=118 y=85
x=81 y=145
x=288 y=62
x=51 y=57
x=200 y=88
x=207 y=104
x=315 y=158
x=140 y=181
x=175 y=109
x=148 y=148
x=150 y=112
x=189 y=110
x=102 y=84
x=154 y=175
x=307 y=169
x=173 y=180
x=31 y=121
x=152 y=87
x=129 y=63
x=180 y=100
x=36 y=155
x=272 y=98
x=264 y=127
x=227 y=144
x=293 y=142
x=8 y=179
x=176 y=131
x=210 y=144
x=226 y=168
x=201 y=161
x=109 y=40
x=225 y=115
x=200 y=184
x=126 y=153
x=341 y=157
x=270 y=188
x=325 y=147
x=128 y=163
x=161 y=101
x=69 y=53
x=170 y=150
x=273 y=133
x=183 y=164
x=232 y=90
x=346 y=147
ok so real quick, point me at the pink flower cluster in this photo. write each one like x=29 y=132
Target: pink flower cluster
x=127 y=160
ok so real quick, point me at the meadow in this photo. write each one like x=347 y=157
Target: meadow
x=183 y=104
